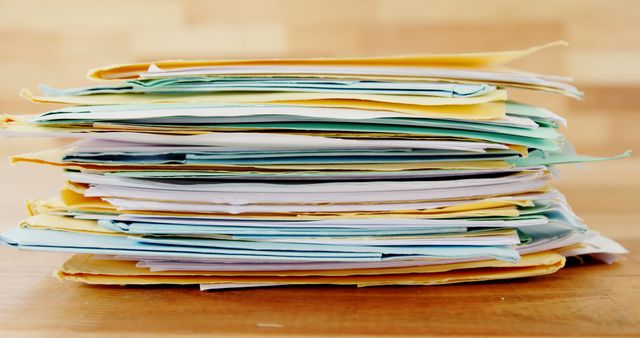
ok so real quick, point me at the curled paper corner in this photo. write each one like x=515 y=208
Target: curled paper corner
x=557 y=43
x=27 y=94
x=627 y=153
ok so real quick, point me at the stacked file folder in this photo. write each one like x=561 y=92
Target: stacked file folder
x=408 y=170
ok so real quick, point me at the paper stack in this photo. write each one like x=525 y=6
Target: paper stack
x=408 y=170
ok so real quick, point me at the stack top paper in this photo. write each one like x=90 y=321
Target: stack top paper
x=404 y=170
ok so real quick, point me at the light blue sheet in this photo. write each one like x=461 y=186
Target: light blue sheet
x=50 y=240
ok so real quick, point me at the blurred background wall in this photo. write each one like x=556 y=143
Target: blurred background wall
x=55 y=42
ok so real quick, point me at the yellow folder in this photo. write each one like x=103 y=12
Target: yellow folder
x=82 y=268
x=474 y=60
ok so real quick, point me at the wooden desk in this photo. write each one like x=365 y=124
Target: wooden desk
x=595 y=299
x=591 y=299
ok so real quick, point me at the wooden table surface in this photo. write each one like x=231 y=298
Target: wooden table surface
x=55 y=42
x=588 y=300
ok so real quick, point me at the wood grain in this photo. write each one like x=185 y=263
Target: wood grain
x=590 y=299
x=55 y=42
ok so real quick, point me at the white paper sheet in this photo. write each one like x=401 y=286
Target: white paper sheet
x=128 y=197
x=113 y=182
x=226 y=286
x=352 y=223
x=192 y=265
x=138 y=112
x=261 y=141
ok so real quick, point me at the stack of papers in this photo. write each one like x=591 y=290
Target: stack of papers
x=407 y=170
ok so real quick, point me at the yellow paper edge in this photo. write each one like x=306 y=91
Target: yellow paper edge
x=82 y=268
x=481 y=59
